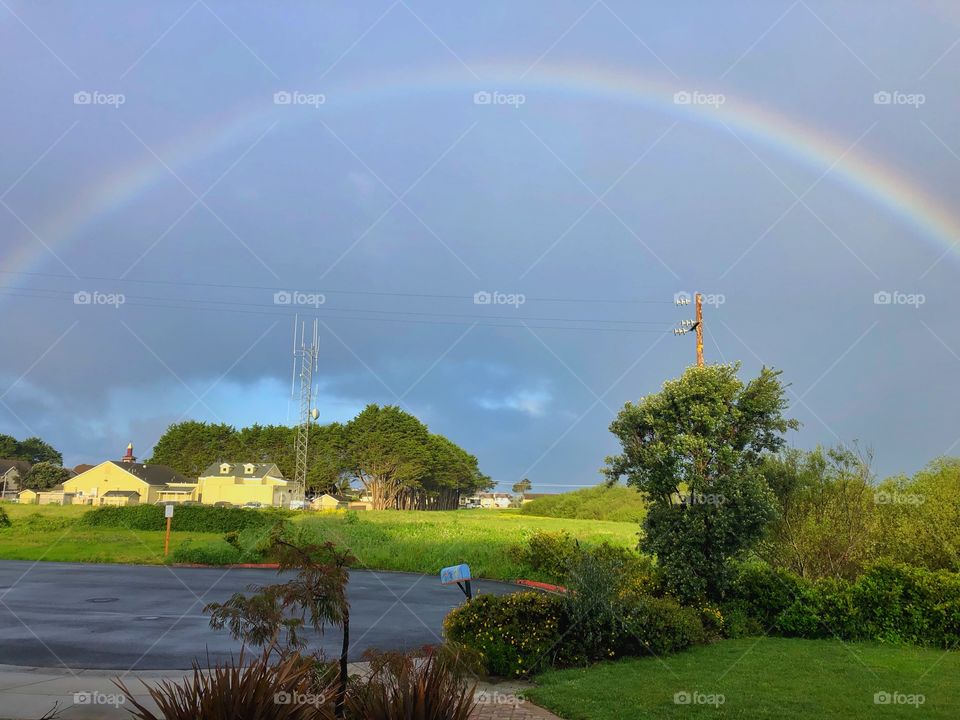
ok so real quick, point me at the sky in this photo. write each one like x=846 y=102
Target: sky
x=489 y=207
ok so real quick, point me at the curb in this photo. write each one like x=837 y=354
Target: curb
x=559 y=589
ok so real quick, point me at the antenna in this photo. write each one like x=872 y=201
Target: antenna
x=306 y=361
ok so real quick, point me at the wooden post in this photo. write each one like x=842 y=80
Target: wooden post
x=699 y=322
x=168 y=514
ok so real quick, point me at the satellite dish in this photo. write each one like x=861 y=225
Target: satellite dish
x=315 y=414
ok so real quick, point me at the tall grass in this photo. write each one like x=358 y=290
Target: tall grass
x=616 y=503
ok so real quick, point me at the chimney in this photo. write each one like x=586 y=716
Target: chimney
x=129 y=458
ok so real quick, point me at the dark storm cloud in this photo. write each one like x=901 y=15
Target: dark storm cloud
x=198 y=198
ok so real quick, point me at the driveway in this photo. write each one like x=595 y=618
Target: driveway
x=135 y=617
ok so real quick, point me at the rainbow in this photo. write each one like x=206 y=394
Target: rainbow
x=864 y=175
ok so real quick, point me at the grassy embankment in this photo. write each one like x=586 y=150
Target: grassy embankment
x=387 y=540
x=760 y=679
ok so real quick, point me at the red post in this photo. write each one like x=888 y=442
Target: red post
x=166 y=541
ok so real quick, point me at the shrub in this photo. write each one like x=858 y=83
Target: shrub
x=211 y=552
x=187 y=518
x=888 y=603
x=400 y=686
x=238 y=691
x=4 y=519
x=764 y=592
x=514 y=634
x=657 y=626
x=549 y=552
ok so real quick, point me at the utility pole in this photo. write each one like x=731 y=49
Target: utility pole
x=699 y=326
x=696 y=324
x=305 y=358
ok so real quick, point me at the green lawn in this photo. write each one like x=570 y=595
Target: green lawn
x=415 y=541
x=760 y=678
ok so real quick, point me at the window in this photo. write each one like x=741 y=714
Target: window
x=224 y=468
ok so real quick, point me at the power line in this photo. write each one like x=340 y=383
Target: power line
x=271 y=288
x=478 y=323
x=322 y=309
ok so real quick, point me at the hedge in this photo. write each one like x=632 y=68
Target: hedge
x=187 y=518
x=889 y=603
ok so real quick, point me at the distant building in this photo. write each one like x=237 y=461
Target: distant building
x=124 y=482
x=494 y=500
x=11 y=473
x=244 y=484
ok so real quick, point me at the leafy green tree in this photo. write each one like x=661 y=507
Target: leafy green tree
x=386 y=450
x=8 y=447
x=33 y=450
x=44 y=475
x=918 y=518
x=825 y=512
x=522 y=487
x=695 y=448
x=189 y=447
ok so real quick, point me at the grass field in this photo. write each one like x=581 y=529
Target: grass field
x=761 y=678
x=385 y=540
x=618 y=503
x=53 y=532
x=427 y=541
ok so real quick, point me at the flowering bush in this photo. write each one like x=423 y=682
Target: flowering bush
x=515 y=634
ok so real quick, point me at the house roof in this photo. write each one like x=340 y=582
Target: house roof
x=151 y=474
x=236 y=469
x=121 y=493
x=82 y=468
x=21 y=466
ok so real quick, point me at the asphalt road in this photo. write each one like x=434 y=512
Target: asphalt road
x=150 y=618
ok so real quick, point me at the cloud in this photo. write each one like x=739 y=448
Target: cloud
x=532 y=402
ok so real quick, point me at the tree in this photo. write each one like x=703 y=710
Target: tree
x=386 y=451
x=277 y=617
x=918 y=518
x=32 y=450
x=825 y=512
x=8 y=447
x=191 y=446
x=695 y=449
x=522 y=487
x=44 y=475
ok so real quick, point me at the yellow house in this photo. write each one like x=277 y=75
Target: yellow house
x=244 y=484
x=328 y=502
x=53 y=496
x=127 y=482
